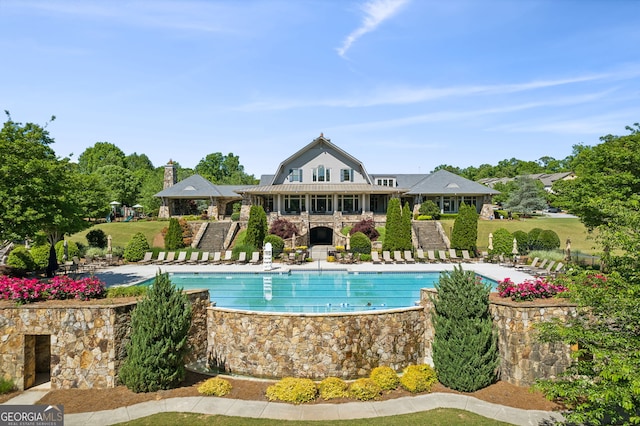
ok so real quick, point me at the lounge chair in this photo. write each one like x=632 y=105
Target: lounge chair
x=161 y=257
x=255 y=258
x=408 y=257
x=375 y=258
x=503 y=261
x=431 y=254
x=443 y=256
x=242 y=257
x=397 y=256
x=529 y=267
x=466 y=257
x=193 y=258
x=171 y=257
x=228 y=257
x=216 y=258
x=182 y=257
x=547 y=270
x=540 y=267
x=558 y=269
x=453 y=255
x=148 y=257
x=420 y=255
x=386 y=257
x=204 y=258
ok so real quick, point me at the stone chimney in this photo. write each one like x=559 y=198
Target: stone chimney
x=170 y=175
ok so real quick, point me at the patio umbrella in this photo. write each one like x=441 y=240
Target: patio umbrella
x=568 y=248
x=515 y=246
x=293 y=241
x=490 y=241
x=66 y=250
x=347 y=247
x=109 y=244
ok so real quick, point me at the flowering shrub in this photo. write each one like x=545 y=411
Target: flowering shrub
x=528 y=289
x=27 y=290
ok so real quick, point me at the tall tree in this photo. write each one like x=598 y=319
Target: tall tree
x=256 y=227
x=465 y=228
x=224 y=169
x=526 y=198
x=99 y=155
x=393 y=226
x=407 y=215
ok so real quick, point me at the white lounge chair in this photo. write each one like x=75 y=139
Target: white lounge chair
x=386 y=257
x=420 y=255
x=255 y=258
x=443 y=256
x=374 y=257
x=397 y=257
x=204 y=258
x=228 y=256
x=408 y=257
x=193 y=258
x=453 y=255
x=148 y=258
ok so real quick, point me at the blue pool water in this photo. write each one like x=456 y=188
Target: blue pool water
x=312 y=292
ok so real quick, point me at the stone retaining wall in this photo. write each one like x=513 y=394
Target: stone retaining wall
x=87 y=340
x=522 y=358
x=315 y=346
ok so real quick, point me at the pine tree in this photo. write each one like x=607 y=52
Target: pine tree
x=465 y=351
x=159 y=328
x=393 y=226
x=465 y=228
x=256 y=227
x=173 y=238
x=406 y=243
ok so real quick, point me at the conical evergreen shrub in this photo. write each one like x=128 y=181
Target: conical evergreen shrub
x=465 y=228
x=465 y=353
x=159 y=328
x=173 y=238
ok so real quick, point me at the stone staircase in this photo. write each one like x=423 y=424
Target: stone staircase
x=428 y=235
x=213 y=238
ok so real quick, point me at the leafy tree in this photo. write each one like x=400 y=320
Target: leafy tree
x=526 y=198
x=173 y=237
x=256 y=226
x=136 y=248
x=465 y=228
x=502 y=242
x=92 y=195
x=549 y=240
x=523 y=241
x=506 y=189
x=97 y=238
x=393 y=226
x=159 y=329
x=138 y=162
x=224 y=169
x=99 y=155
x=367 y=227
x=465 y=347
x=534 y=239
x=607 y=175
x=283 y=228
x=121 y=184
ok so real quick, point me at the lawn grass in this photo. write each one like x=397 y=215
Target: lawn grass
x=121 y=232
x=438 y=416
x=581 y=240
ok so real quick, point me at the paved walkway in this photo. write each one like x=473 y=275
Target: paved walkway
x=273 y=410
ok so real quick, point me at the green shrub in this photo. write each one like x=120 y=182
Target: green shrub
x=332 y=388
x=385 y=377
x=40 y=255
x=545 y=254
x=159 y=328
x=429 y=208
x=364 y=389
x=238 y=248
x=216 y=386
x=127 y=291
x=6 y=386
x=360 y=243
x=424 y=217
x=465 y=229
x=277 y=244
x=346 y=230
x=502 y=242
x=235 y=216
x=173 y=237
x=93 y=252
x=20 y=258
x=418 y=378
x=365 y=257
x=523 y=241
x=256 y=226
x=295 y=390
x=549 y=240
x=534 y=239
x=449 y=216
x=136 y=248
x=97 y=238
x=465 y=346
x=72 y=249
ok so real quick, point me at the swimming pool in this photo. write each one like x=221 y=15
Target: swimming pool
x=310 y=291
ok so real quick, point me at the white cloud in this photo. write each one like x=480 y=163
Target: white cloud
x=375 y=13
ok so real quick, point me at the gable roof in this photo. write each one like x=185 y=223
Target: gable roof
x=195 y=186
x=321 y=140
x=445 y=182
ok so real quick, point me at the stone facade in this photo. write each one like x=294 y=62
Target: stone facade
x=84 y=343
x=346 y=345
x=523 y=359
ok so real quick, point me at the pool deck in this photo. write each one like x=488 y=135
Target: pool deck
x=134 y=273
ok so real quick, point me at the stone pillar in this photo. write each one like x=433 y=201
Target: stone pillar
x=165 y=211
x=170 y=175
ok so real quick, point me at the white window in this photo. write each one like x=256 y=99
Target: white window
x=295 y=175
x=386 y=182
x=320 y=174
x=346 y=175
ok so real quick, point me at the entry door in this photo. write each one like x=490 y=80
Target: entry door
x=29 y=361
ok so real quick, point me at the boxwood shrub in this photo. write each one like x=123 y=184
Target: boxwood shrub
x=136 y=248
x=290 y=389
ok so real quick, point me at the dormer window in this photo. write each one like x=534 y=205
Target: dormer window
x=295 y=175
x=386 y=182
x=320 y=174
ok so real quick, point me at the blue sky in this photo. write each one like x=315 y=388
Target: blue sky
x=402 y=85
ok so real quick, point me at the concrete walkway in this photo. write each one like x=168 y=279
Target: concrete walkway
x=274 y=410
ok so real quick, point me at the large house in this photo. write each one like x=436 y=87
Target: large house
x=322 y=186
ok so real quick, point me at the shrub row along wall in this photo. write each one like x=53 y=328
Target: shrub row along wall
x=523 y=359
x=86 y=340
x=315 y=346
